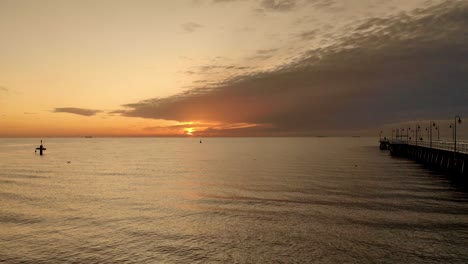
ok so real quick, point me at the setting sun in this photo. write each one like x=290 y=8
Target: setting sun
x=189 y=131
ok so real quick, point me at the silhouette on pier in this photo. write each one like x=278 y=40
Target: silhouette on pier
x=40 y=148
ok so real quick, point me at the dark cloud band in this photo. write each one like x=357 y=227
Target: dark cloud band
x=77 y=111
x=406 y=67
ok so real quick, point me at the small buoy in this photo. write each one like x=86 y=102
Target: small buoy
x=68 y=161
x=200 y=141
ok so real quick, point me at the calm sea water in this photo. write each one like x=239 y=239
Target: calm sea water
x=230 y=200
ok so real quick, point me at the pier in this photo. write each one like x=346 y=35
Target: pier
x=447 y=156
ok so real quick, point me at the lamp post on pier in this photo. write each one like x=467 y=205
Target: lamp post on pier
x=429 y=132
x=417 y=134
x=430 y=129
x=407 y=134
x=455 y=132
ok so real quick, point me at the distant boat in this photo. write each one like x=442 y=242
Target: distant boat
x=88 y=136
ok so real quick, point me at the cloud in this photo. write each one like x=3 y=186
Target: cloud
x=308 y=35
x=323 y=4
x=262 y=6
x=266 y=51
x=408 y=67
x=278 y=5
x=262 y=54
x=222 y=67
x=3 y=89
x=215 y=68
x=77 y=111
x=191 y=27
x=206 y=129
x=225 y=1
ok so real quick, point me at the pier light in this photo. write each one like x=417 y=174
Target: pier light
x=427 y=130
x=407 y=135
x=451 y=127
x=436 y=127
x=457 y=120
x=416 y=137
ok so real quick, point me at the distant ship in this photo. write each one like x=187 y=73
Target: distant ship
x=88 y=136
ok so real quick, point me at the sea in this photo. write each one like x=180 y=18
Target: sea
x=225 y=200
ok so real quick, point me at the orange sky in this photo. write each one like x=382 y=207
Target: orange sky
x=198 y=67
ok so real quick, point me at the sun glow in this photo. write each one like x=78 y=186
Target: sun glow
x=189 y=131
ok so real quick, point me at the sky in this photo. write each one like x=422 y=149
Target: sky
x=230 y=67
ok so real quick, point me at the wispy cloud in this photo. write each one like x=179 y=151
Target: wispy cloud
x=3 y=89
x=225 y=1
x=410 y=66
x=322 y=4
x=278 y=5
x=222 y=67
x=191 y=27
x=308 y=35
x=77 y=111
x=216 y=69
x=266 y=51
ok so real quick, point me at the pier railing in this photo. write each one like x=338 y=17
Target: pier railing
x=462 y=146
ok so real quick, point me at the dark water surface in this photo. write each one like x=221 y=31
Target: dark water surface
x=233 y=200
